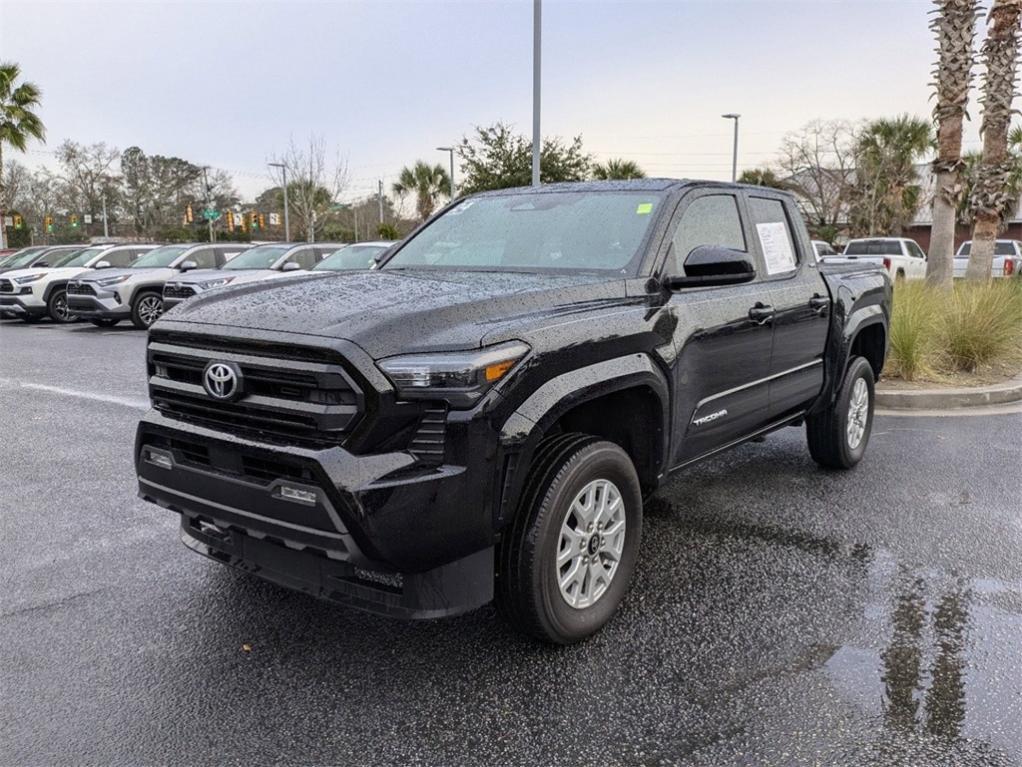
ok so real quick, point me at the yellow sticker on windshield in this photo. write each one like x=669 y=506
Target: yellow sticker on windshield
x=644 y=209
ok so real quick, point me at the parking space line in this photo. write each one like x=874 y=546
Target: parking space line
x=138 y=404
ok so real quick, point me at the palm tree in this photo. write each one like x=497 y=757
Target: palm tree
x=955 y=27
x=762 y=177
x=617 y=169
x=427 y=182
x=18 y=123
x=1000 y=54
x=886 y=194
x=971 y=162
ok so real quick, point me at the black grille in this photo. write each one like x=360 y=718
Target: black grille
x=428 y=442
x=6 y=286
x=178 y=291
x=80 y=289
x=283 y=400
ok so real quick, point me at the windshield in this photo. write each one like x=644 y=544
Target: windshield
x=350 y=257
x=66 y=258
x=27 y=257
x=873 y=248
x=259 y=257
x=1001 y=248
x=81 y=257
x=552 y=231
x=164 y=256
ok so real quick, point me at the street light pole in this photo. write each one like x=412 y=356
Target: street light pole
x=380 y=198
x=106 y=230
x=287 y=222
x=450 y=151
x=537 y=26
x=209 y=221
x=734 y=152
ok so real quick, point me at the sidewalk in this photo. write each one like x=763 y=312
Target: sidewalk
x=939 y=398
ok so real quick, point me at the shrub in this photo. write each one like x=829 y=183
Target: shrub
x=915 y=343
x=982 y=323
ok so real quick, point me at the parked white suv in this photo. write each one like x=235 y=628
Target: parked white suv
x=901 y=257
x=39 y=291
x=1007 y=259
x=136 y=293
x=260 y=263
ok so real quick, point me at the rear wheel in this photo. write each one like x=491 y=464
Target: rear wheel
x=146 y=309
x=104 y=322
x=838 y=437
x=57 y=307
x=567 y=559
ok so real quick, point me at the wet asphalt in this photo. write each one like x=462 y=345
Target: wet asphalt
x=780 y=615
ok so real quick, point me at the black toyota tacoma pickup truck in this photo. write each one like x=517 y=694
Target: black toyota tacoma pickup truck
x=482 y=416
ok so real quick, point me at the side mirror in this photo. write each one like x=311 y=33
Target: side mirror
x=188 y=265
x=291 y=266
x=711 y=265
x=41 y=265
x=102 y=265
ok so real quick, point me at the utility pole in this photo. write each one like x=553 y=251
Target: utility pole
x=734 y=152
x=450 y=151
x=537 y=25
x=287 y=222
x=209 y=221
x=381 y=199
x=106 y=230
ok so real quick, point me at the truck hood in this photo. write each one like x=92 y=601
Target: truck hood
x=395 y=312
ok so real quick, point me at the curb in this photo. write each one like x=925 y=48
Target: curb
x=942 y=399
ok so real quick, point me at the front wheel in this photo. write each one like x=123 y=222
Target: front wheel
x=567 y=559
x=838 y=436
x=146 y=309
x=57 y=308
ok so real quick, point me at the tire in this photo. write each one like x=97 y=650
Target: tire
x=834 y=441
x=528 y=590
x=146 y=309
x=57 y=308
x=104 y=322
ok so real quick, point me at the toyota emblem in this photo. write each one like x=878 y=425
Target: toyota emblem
x=222 y=380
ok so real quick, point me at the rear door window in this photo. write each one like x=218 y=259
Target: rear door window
x=773 y=229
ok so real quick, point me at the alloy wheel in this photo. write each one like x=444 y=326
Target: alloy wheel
x=858 y=413
x=149 y=309
x=590 y=544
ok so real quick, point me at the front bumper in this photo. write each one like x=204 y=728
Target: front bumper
x=98 y=307
x=24 y=305
x=372 y=532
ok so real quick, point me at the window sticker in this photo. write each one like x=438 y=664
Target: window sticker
x=776 y=246
x=644 y=209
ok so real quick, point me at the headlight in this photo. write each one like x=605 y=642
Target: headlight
x=113 y=280
x=214 y=283
x=461 y=378
x=29 y=278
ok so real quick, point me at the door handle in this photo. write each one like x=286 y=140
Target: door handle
x=761 y=313
x=819 y=303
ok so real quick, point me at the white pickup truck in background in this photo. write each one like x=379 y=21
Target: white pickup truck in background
x=1007 y=259
x=901 y=257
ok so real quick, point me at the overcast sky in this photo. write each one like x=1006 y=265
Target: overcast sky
x=227 y=84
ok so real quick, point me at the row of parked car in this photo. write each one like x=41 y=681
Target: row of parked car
x=903 y=259
x=108 y=283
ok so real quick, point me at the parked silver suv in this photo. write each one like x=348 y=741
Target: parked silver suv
x=136 y=293
x=261 y=262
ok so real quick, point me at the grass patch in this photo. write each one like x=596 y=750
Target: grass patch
x=936 y=333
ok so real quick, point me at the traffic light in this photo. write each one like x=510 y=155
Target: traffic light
x=17 y=221
x=74 y=221
x=230 y=221
x=188 y=214
x=253 y=221
x=262 y=221
x=48 y=222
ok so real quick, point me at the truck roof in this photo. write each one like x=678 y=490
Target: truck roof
x=627 y=185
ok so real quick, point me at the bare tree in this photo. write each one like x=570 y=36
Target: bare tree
x=818 y=165
x=954 y=24
x=1000 y=54
x=15 y=177
x=41 y=195
x=313 y=184
x=88 y=173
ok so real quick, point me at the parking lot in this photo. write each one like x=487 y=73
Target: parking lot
x=780 y=614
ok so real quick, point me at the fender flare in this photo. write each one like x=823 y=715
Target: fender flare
x=147 y=287
x=838 y=359
x=55 y=285
x=525 y=427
